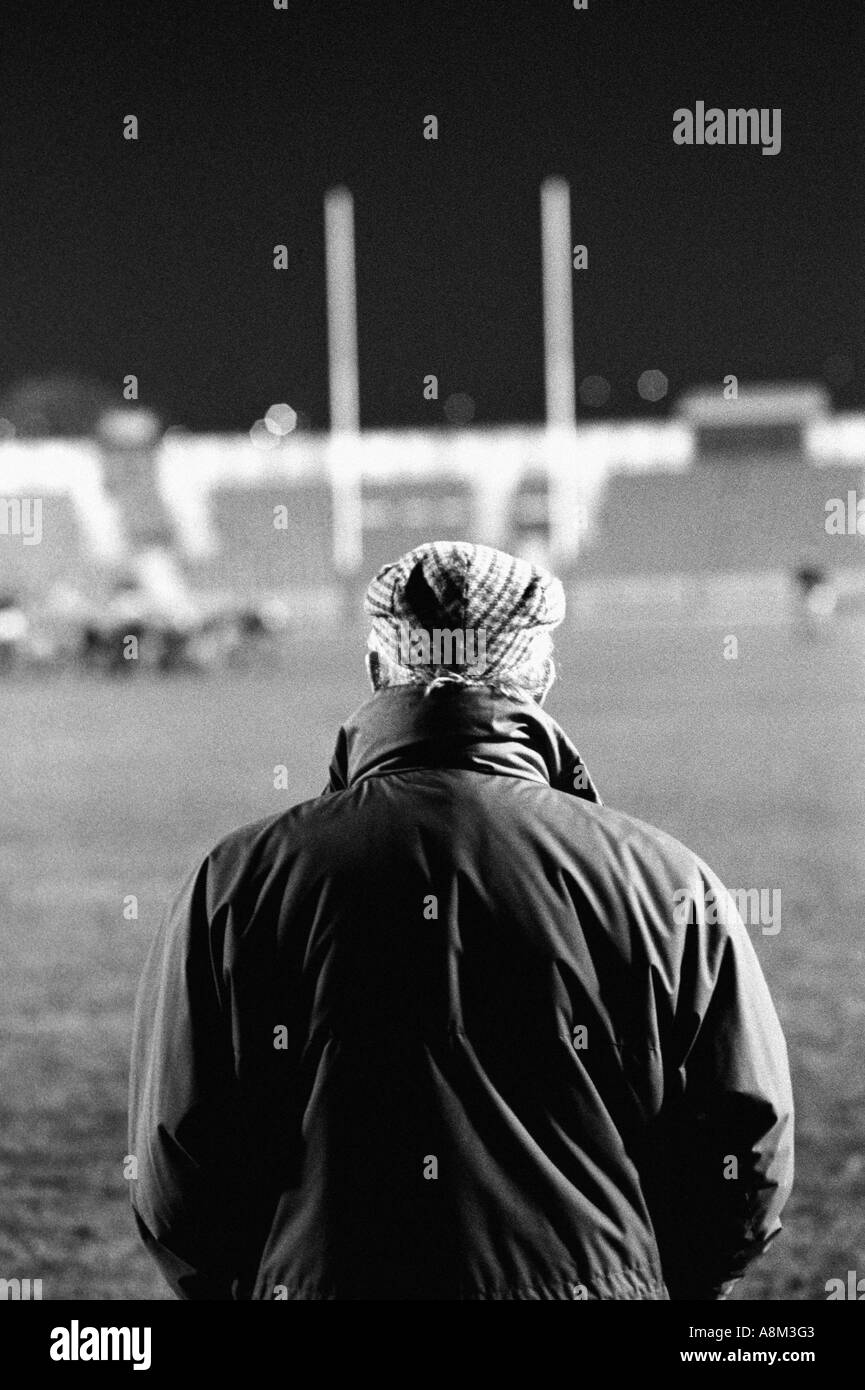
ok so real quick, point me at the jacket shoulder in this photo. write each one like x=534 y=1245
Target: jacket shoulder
x=258 y=842
x=626 y=835
x=639 y=856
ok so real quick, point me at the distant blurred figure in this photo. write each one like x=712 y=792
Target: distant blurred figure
x=171 y=613
x=148 y=620
x=14 y=627
x=173 y=629
x=816 y=598
x=104 y=641
x=144 y=624
x=58 y=623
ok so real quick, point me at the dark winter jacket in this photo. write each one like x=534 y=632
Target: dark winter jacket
x=438 y=1034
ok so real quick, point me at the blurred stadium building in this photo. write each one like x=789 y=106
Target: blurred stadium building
x=711 y=508
x=702 y=516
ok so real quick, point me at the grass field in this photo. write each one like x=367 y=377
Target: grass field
x=117 y=788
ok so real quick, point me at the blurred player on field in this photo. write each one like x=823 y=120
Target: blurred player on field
x=815 y=598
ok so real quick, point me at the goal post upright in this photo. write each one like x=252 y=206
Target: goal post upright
x=559 y=385
x=558 y=302
x=344 y=390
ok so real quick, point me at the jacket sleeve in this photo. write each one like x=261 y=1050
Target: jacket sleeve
x=724 y=1163
x=183 y=1115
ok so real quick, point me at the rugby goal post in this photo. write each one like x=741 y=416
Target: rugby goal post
x=344 y=453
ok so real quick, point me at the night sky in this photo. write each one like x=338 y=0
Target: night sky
x=155 y=257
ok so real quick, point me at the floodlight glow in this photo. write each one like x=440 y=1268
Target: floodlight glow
x=261 y=437
x=281 y=419
x=652 y=385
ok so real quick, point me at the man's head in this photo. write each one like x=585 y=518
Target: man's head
x=450 y=611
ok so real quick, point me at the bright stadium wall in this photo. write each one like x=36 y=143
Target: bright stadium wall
x=629 y=514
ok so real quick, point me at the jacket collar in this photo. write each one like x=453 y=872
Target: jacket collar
x=401 y=729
